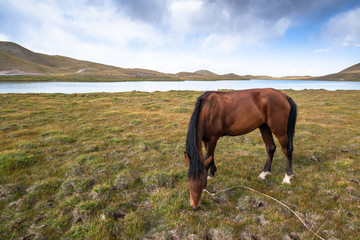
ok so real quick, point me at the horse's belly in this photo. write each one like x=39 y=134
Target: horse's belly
x=244 y=126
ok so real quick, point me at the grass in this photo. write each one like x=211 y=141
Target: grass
x=110 y=166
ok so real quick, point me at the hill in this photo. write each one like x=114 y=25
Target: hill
x=19 y=63
x=17 y=60
x=349 y=74
x=207 y=75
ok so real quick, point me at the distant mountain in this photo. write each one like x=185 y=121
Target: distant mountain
x=18 y=61
x=349 y=74
x=207 y=75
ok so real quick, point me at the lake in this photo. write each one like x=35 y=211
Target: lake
x=151 y=86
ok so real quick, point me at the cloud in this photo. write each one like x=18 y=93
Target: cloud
x=204 y=25
x=344 y=28
x=230 y=24
x=243 y=21
x=228 y=42
x=207 y=23
x=4 y=37
x=322 y=50
x=164 y=35
x=152 y=11
x=219 y=17
x=65 y=28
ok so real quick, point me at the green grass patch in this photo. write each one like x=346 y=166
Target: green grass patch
x=10 y=161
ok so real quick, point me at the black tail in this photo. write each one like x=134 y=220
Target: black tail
x=196 y=164
x=291 y=124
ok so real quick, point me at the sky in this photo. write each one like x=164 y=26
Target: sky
x=258 y=37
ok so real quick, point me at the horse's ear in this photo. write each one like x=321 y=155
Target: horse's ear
x=187 y=159
x=207 y=161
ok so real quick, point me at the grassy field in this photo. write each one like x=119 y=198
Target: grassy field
x=110 y=166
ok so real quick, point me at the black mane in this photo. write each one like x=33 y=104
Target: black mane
x=196 y=165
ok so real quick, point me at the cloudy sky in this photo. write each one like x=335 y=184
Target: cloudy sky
x=278 y=38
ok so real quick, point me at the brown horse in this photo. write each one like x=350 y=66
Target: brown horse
x=218 y=114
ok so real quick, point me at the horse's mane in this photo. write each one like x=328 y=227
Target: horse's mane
x=196 y=165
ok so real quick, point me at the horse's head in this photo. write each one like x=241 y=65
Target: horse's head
x=197 y=184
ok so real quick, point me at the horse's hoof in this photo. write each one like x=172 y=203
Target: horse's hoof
x=210 y=176
x=263 y=175
x=287 y=179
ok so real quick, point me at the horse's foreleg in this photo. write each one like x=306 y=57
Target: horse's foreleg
x=270 y=149
x=210 y=149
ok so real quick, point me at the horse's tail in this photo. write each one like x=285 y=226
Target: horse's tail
x=291 y=124
x=196 y=165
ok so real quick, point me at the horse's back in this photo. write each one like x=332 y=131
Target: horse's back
x=242 y=111
x=247 y=101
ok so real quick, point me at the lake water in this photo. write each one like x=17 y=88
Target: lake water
x=151 y=86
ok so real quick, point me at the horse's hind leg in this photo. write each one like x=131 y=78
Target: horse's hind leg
x=283 y=140
x=289 y=172
x=270 y=149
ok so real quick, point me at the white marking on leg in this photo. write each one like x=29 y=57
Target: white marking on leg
x=209 y=177
x=286 y=179
x=263 y=175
